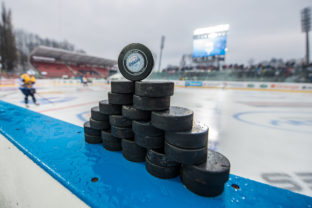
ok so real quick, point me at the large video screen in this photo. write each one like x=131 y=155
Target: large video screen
x=212 y=44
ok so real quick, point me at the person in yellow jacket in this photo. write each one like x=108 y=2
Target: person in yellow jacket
x=27 y=82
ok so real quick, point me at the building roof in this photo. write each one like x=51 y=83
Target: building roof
x=70 y=57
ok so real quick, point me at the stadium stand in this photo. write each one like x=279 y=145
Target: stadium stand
x=58 y=63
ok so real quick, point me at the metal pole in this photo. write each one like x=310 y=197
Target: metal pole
x=161 y=49
x=307 y=48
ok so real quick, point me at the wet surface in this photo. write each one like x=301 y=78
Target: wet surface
x=265 y=135
x=105 y=179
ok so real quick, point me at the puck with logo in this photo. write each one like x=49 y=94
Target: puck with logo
x=186 y=156
x=158 y=157
x=146 y=128
x=173 y=119
x=109 y=109
x=99 y=125
x=151 y=103
x=135 y=62
x=197 y=137
x=110 y=142
x=122 y=87
x=160 y=171
x=132 y=152
x=132 y=113
x=208 y=178
x=154 y=89
x=122 y=132
x=149 y=142
x=96 y=114
x=119 y=99
x=92 y=139
x=119 y=121
x=90 y=131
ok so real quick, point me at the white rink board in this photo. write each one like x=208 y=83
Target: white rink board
x=25 y=184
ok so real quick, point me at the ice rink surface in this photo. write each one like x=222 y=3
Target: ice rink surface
x=267 y=136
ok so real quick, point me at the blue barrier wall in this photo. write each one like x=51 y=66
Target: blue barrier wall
x=59 y=148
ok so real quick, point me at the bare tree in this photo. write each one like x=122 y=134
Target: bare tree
x=7 y=40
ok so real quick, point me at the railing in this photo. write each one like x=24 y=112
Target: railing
x=298 y=75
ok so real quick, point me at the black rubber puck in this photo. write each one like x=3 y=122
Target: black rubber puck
x=96 y=114
x=122 y=87
x=200 y=188
x=154 y=89
x=100 y=125
x=207 y=179
x=197 y=137
x=215 y=171
x=90 y=131
x=161 y=172
x=110 y=142
x=158 y=157
x=93 y=139
x=146 y=128
x=132 y=113
x=135 y=62
x=151 y=103
x=122 y=132
x=173 y=119
x=149 y=142
x=109 y=109
x=132 y=152
x=119 y=99
x=120 y=121
x=186 y=156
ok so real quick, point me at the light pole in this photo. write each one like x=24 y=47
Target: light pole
x=162 y=43
x=306 y=27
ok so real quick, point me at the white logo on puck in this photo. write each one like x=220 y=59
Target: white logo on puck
x=135 y=62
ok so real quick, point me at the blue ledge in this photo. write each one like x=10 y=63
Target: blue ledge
x=59 y=148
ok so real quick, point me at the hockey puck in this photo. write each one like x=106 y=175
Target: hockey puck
x=122 y=132
x=119 y=121
x=161 y=172
x=173 y=119
x=200 y=188
x=154 y=89
x=186 y=156
x=151 y=103
x=132 y=152
x=96 y=114
x=149 y=142
x=135 y=62
x=93 y=139
x=122 y=87
x=145 y=128
x=197 y=137
x=109 y=109
x=119 y=99
x=132 y=113
x=158 y=157
x=90 y=131
x=208 y=178
x=99 y=125
x=110 y=142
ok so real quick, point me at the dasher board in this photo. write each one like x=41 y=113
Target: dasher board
x=59 y=148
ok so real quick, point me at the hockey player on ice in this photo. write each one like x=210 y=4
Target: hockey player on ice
x=27 y=82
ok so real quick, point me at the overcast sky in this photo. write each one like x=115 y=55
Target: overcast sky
x=259 y=29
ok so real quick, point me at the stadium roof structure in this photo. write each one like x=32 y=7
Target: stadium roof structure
x=48 y=53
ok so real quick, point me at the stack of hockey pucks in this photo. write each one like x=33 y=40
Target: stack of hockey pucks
x=92 y=128
x=140 y=122
x=154 y=97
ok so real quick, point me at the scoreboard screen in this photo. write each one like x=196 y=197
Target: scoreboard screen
x=209 y=42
